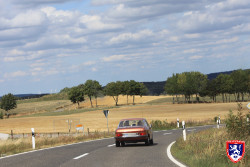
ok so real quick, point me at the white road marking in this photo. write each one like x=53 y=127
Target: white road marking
x=53 y=148
x=172 y=158
x=111 y=145
x=191 y=130
x=156 y=131
x=167 y=133
x=83 y=155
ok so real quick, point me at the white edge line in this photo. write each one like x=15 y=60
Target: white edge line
x=53 y=148
x=111 y=145
x=171 y=157
x=83 y=155
x=167 y=133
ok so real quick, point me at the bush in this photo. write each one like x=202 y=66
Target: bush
x=1 y=115
x=160 y=125
x=237 y=125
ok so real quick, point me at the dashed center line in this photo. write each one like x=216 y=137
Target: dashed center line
x=111 y=145
x=83 y=155
x=167 y=133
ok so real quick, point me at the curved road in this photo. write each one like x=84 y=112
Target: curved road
x=102 y=153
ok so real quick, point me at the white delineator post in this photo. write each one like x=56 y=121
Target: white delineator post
x=184 y=131
x=33 y=138
x=218 y=122
x=178 y=123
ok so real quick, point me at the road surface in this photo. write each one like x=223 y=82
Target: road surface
x=102 y=153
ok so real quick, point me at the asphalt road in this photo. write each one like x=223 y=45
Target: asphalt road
x=102 y=153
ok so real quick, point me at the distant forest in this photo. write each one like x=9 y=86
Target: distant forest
x=154 y=88
x=157 y=88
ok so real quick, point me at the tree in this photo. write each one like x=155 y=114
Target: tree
x=1 y=115
x=171 y=87
x=240 y=78
x=91 y=89
x=224 y=83
x=8 y=102
x=125 y=89
x=76 y=94
x=114 y=89
x=143 y=89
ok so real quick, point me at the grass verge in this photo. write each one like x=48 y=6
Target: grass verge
x=15 y=146
x=208 y=149
x=164 y=125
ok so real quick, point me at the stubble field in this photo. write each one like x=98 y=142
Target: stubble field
x=96 y=121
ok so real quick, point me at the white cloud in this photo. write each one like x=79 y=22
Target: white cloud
x=96 y=23
x=196 y=57
x=144 y=34
x=191 y=51
x=35 y=18
x=89 y=63
x=230 y=40
x=115 y=58
x=94 y=69
x=15 y=74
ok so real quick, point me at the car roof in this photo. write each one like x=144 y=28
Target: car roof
x=131 y=119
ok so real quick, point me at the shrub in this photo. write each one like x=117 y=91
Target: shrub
x=1 y=115
x=237 y=125
x=159 y=125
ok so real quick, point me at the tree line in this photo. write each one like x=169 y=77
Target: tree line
x=93 y=89
x=195 y=83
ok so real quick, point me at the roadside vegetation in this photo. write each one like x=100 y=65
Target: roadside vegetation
x=15 y=146
x=164 y=125
x=208 y=148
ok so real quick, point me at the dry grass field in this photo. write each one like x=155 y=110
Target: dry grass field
x=96 y=121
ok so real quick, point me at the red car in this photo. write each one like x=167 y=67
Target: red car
x=133 y=130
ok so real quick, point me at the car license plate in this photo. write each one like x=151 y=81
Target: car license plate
x=129 y=134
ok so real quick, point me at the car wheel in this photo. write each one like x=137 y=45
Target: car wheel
x=147 y=142
x=123 y=144
x=117 y=144
x=151 y=141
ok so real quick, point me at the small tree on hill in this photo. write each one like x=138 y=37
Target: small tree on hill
x=114 y=89
x=76 y=94
x=91 y=88
x=8 y=102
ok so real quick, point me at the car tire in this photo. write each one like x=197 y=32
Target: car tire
x=122 y=144
x=151 y=141
x=117 y=144
x=147 y=142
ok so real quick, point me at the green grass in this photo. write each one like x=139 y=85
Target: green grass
x=164 y=125
x=208 y=149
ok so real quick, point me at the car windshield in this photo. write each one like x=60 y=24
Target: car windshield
x=127 y=123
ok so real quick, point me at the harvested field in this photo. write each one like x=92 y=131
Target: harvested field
x=95 y=120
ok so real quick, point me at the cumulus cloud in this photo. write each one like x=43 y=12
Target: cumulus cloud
x=231 y=13
x=125 y=37
x=115 y=58
x=36 y=3
x=46 y=38
x=15 y=74
x=196 y=57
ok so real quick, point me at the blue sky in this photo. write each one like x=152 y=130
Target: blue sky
x=46 y=45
